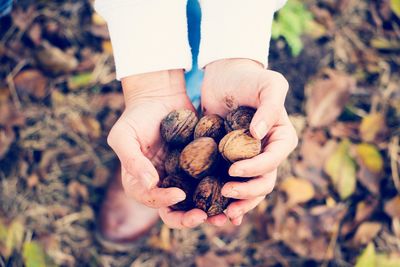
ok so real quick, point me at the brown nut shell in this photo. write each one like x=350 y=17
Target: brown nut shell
x=171 y=163
x=238 y=145
x=239 y=118
x=210 y=126
x=208 y=198
x=178 y=126
x=199 y=158
x=187 y=185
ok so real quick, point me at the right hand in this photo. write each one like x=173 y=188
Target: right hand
x=136 y=140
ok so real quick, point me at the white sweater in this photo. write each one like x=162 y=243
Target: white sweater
x=151 y=35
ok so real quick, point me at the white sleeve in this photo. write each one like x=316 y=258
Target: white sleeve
x=236 y=29
x=147 y=35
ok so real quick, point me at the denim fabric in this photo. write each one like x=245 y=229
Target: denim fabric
x=5 y=7
x=194 y=78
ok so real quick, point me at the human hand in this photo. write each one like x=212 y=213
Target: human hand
x=231 y=83
x=136 y=140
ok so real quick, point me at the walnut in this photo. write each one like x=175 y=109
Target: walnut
x=207 y=196
x=199 y=158
x=210 y=126
x=178 y=126
x=238 y=145
x=187 y=185
x=239 y=118
x=171 y=163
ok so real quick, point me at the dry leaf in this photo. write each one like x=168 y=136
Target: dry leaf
x=392 y=207
x=326 y=97
x=388 y=260
x=370 y=166
x=342 y=170
x=78 y=191
x=7 y=137
x=210 y=259
x=297 y=190
x=366 y=232
x=54 y=60
x=31 y=83
x=372 y=127
x=34 y=255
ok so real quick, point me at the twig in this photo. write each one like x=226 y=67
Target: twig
x=11 y=85
x=394 y=158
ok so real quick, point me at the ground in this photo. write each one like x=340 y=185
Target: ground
x=337 y=199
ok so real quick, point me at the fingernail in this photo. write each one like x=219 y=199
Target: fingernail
x=231 y=193
x=179 y=199
x=236 y=172
x=148 y=180
x=260 y=129
x=236 y=214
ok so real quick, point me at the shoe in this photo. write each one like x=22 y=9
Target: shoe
x=123 y=219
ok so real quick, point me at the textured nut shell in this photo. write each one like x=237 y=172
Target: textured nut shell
x=187 y=185
x=208 y=198
x=178 y=126
x=199 y=158
x=171 y=163
x=239 y=118
x=238 y=145
x=210 y=126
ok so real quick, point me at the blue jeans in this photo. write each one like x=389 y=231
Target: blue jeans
x=195 y=76
x=5 y=7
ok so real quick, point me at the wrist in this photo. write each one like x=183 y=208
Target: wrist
x=230 y=62
x=153 y=85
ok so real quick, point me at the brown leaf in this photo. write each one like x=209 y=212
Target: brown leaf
x=35 y=33
x=373 y=127
x=345 y=130
x=210 y=259
x=364 y=210
x=54 y=60
x=31 y=83
x=7 y=137
x=392 y=207
x=327 y=96
x=78 y=191
x=370 y=164
x=366 y=232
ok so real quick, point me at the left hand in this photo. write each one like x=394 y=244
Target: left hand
x=230 y=83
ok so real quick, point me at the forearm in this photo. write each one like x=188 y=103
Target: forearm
x=236 y=29
x=147 y=36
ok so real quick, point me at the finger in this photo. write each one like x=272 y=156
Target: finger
x=272 y=97
x=251 y=188
x=122 y=140
x=218 y=220
x=237 y=221
x=241 y=207
x=281 y=141
x=181 y=219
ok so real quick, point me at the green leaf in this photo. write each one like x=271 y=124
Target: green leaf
x=342 y=170
x=395 y=6
x=15 y=235
x=34 y=255
x=80 y=80
x=3 y=232
x=367 y=257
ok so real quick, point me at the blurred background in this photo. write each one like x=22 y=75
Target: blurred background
x=337 y=200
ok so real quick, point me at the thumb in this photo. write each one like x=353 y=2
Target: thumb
x=123 y=140
x=273 y=89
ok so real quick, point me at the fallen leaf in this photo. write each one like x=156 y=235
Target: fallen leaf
x=98 y=20
x=78 y=191
x=395 y=6
x=32 y=83
x=392 y=207
x=162 y=241
x=370 y=164
x=93 y=127
x=396 y=227
x=297 y=190
x=367 y=257
x=388 y=260
x=210 y=259
x=34 y=255
x=326 y=97
x=372 y=127
x=345 y=130
x=342 y=170
x=107 y=46
x=366 y=232
x=7 y=137
x=80 y=80
x=54 y=60
x=364 y=210
x=15 y=235
x=3 y=232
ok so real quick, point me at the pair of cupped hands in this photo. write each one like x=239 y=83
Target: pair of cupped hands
x=230 y=82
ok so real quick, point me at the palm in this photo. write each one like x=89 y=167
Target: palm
x=142 y=121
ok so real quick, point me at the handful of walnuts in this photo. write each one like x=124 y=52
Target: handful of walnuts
x=200 y=152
